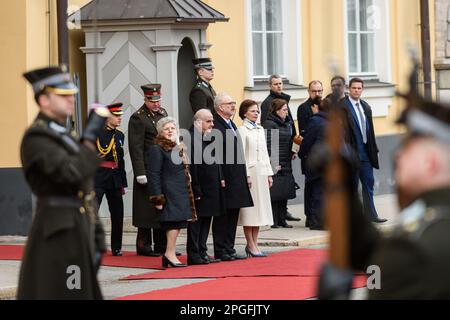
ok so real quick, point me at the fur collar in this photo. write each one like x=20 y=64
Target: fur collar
x=165 y=144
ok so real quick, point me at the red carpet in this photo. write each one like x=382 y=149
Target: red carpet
x=128 y=260
x=242 y=288
x=299 y=262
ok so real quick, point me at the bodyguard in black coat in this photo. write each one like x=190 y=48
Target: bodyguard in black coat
x=364 y=143
x=111 y=178
x=237 y=193
x=208 y=185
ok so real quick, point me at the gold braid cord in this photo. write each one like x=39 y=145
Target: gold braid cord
x=103 y=152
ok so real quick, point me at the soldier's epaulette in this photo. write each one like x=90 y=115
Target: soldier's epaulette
x=117 y=129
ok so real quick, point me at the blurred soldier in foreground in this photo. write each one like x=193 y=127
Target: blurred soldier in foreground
x=66 y=240
x=111 y=179
x=415 y=261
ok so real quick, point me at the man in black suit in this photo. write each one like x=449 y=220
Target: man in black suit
x=361 y=126
x=208 y=186
x=237 y=183
x=304 y=113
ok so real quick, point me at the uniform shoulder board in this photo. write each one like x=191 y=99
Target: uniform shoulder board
x=117 y=129
x=205 y=84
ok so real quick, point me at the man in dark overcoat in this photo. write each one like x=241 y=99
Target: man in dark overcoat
x=208 y=185
x=202 y=94
x=141 y=134
x=111 y=178
x=237 y=183
x=66 y=241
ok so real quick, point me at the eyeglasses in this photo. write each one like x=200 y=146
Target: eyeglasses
x=230 y=103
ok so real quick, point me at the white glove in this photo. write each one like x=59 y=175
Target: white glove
x=141 y=179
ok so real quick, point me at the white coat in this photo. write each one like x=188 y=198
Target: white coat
x=259 y=169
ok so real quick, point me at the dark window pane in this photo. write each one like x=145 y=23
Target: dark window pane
x=256 y=15
x=273 y=15
x=275 y=53
x=258 y=69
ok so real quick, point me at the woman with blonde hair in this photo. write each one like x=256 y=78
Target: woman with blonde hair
x=170 y=186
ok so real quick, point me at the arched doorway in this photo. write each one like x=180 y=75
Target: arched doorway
x=186 y=81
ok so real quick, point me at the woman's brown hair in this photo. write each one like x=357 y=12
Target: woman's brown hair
x=277 y=104
x=245 y=105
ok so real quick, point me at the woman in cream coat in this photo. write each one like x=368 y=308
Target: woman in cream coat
x=260 y=172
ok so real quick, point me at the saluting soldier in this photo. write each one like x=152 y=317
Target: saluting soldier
x=141 y=134
x=66 y=238
x=413 y=262
x=202 y=95
x=111 y=179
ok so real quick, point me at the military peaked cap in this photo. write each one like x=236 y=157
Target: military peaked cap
x=54 y=79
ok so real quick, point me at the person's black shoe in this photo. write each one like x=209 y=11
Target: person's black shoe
x=285 y=225
x=147 y=252
x=178 y=254
x=166 y=263
x=308 y=222
x=227 y=257
x=196 y=261
x=290 y=217
x=238 y=256
x=378 y=220
x=316 y=227
x=117 y=253
x=274 y=226
x=210 y=259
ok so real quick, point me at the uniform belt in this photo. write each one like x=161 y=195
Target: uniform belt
x=109 y=164
x=62 y=201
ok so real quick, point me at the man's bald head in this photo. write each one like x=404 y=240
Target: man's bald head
x=203 y=120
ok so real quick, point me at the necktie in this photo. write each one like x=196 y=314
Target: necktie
x=362 y=123
x=231 y=126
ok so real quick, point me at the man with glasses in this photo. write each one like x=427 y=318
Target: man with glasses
x=237 y=192
x=202 y=95
x=304 y=114
x=141 y=133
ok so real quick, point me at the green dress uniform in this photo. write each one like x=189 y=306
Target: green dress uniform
x=141 y=133
x=202 y=96
x=66 y=231
x=414 y=262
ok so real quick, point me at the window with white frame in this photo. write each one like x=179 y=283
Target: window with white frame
x=363 y=21
x=267 y=37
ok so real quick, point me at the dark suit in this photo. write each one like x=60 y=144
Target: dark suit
x=202 y=96
x=367 y=153
x=141 y=133
x=206 y=184
x=237 y=193
x=304 y=114
x=112 y=181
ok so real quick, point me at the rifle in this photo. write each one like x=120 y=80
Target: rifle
x=336 y=275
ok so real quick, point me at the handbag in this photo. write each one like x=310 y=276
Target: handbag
x=284 y=185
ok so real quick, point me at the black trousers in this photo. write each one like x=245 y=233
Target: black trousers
x=279 y=212
x=147 y=236
x=224 y=232
x=197 y=236
x=317 y=192
x=115 y=204
x=307 y=199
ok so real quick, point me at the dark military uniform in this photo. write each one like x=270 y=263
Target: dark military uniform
x=66 y=230
x=141 y=133
x=202 y=96
x=111 y=179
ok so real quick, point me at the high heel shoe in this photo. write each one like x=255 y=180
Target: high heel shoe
x=255 y=255
x=166 y=263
